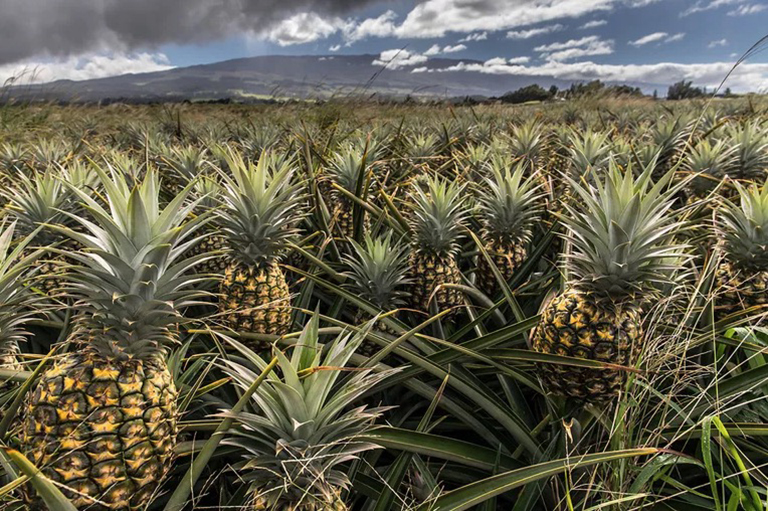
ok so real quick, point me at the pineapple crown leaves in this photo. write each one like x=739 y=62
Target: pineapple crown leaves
x=303 y=425
x=185 y=162
x=15 y=298
x=349 y=166
x=589 y=150
x=709 y=162
x=528 y=140
x=261 y=206
x=622 y=235
x=378 y=271
x=438 y=216
x=509 y=203
x=751 y=142
x=131 y=278
x=743 y=226
x=40 y=199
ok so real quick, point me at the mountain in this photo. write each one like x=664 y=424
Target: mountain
x=304 y=77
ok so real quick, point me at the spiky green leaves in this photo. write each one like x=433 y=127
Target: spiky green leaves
x=349 y=168
x=378 y=271
x=438 y=216
x=303 y=427
x=709 y=163
x=261 y=206
x=132 y=279
x=509 y=203
x=744 y=228
x=15 y=297
x=622 y=234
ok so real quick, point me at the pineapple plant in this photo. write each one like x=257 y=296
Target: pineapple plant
x=206 y=191
x=36 y=202
x=181 y=166
x=303 y=427
x=378 y=273
x=16 y=301
x=508 y=209
x=437 y=219
x=258 y=217
x=622 y=242
x=349 y=170
x=102 y=421
x=529 y=142
x=751 y=142
x=742 y=277
x=708 y=163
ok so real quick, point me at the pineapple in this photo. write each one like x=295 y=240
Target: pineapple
x=438 y=216
x=751 y=142
x=378 y=273
x=101 y=422
x=708 y=163
x=348 y=170
x=620 y=231
x=742 y=277
x=508 y=207
x=37 y=202
x=15 y=299
x=181 y=165
x=206 y=190
x=258 y=218
x=303 y=426
x=528 y=142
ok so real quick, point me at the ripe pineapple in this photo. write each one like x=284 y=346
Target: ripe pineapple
x=508 y=208
x=258 y=218
x=378 y=273
x=437 y=218
x=742 y=278
x=620 y=231
x=101 y=422
x=303 y=426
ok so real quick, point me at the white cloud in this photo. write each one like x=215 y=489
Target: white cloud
x=335 y=47
x=575 y=48
x=746 y=77
x=83 y=67
x=593 y=24
x=433 y=50
x=435 y=18
x=422 y=69
x=477 y=36
x=396 y=59
x=650 y=38
x=676 y=37
x=500 y=61
x=527 y=34
x=454 y=49
x=381 y=26
x=701 y=6
x=746 y=10
x=304 y=27
x=718 y=42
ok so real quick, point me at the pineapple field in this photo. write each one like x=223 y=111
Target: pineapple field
x=350 y=306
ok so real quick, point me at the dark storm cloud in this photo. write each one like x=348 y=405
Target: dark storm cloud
x=64 y=27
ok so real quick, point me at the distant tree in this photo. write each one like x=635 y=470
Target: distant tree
x=553 y=90
x=728 y=93
x=655 y=94
x=684 y=90
x=528 y=93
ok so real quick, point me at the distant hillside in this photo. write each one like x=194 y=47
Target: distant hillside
x=280 y=77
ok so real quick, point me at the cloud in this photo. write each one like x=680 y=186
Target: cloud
x=454 y=49
x=436 y=18
x=335 y=47
x=746 y=10
x=718 y=42
x=396 y=59
x=477 y=36
x=650 y=38
x=593 y=24
x=746 y=77
x=381 y=26
x=701 y=6
x=527 y=34
x=575 y=48
x=656 y=37
x=52 y=28
x=83 y=67
x=303 y=28
x=433 y=50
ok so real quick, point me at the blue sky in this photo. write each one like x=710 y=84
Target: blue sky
x=641 y=40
